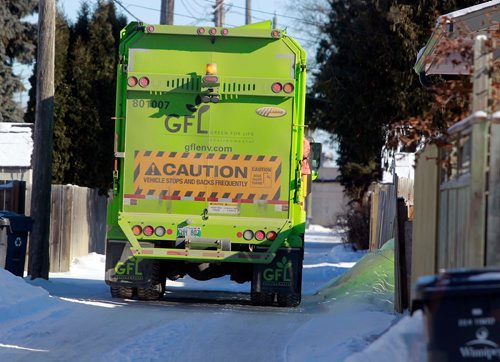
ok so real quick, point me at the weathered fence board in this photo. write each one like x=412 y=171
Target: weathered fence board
x=425 y=212
x=493 y=231
x=78 y=224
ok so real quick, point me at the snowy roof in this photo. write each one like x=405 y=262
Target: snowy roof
x=16 y=144
x=465 y=23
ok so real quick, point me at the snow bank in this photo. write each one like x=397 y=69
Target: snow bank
x=403 y=342
x=371 y=280
x=18 y=298
x=15 y=290
x=89 y=267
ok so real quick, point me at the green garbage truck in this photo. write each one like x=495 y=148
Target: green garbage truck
x=212 y=167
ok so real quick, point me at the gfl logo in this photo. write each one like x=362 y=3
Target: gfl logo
x=280 y=273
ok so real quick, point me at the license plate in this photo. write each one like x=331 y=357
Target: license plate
x=189 y=231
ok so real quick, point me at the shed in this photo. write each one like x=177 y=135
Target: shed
x=465 y=24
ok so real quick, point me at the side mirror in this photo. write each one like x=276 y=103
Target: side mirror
x=315 y=159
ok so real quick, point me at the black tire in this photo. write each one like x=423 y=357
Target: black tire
x=262 y=298
x=155 y=289
x=289 y=300
x=151 y=292
x=122 y=292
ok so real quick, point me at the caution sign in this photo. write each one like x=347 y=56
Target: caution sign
x=207 y=176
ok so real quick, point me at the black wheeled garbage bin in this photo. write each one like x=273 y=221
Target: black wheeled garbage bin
x=14 y=229
x=462 y=314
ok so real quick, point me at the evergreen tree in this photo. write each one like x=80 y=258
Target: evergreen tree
x=86 y=55
x=16 y=44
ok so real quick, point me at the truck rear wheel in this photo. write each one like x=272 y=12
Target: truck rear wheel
x=122 y=292
x=288 y=300
x=155 y=289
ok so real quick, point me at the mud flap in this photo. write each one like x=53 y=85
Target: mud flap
x=283 y=275
x=122 y=268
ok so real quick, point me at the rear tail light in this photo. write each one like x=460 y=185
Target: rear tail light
x=260 y=235
x=132 y=81
x=275 y=34
x=137 y=230
x=148 y=230
x=288 y=88
x=144 y=82
x=271 y=235
x=160 y=231
x=248 y=234
x=201 y=31
x=276 y=87
x=239 y=234
x=224 y=31
x=169 y=231
x=150 y=28
x=212 y=31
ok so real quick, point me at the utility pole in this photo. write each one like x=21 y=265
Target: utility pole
x=275 y=21
x=248 y=12
x=167 y=12
x=42 y=154
x=219 y=13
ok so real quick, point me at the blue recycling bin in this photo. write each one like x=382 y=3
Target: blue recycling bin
x=14 y=229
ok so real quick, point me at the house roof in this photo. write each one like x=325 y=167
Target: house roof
x=16 y=144
x=465 y=23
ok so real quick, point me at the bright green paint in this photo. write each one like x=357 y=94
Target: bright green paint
x=165 y=120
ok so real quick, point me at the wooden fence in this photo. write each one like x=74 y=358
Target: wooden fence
x=383 y=213
x=390 y=214
x=78 y=224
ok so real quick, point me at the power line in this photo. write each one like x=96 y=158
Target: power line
x=125 y=9
x=269 y=13
x=158 y=10
x=198 y=19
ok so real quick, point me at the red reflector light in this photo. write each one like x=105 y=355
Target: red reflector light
x=148 y=230
x=239 y=234
x=150 y=28
x=132 y=81
x=275 y=34
x=144 y=82
x=160 y=231
x=137 y=230
x=271 y=235
x=212 y=31
x=201 y=31
x=288 y=87
x=260 y=235
x=248 y=234
x=169 y=231
x=276 y=87
x=224 y=31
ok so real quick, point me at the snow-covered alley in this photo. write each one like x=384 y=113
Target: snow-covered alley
x=345 y=308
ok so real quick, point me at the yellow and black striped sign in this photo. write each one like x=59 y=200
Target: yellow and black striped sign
x=207 y=176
